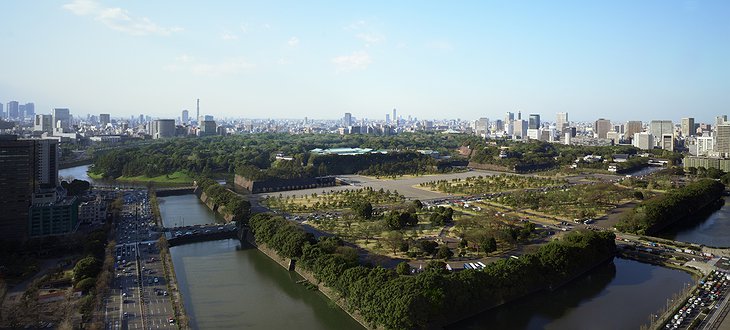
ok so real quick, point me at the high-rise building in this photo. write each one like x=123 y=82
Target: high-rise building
x=643 y=141
x=13 y=110
x=520 y=129
x=719 y=120
x=29 y=110
x=601 y=128
x=667 y=142
x=705 y=145
x=395 y=117
x=2 y=112
x=16 y=186
x=61 y=118
x=561 y=121
x=387 y=118
x=27 y=168
x=481 y=126
x=104 y=119
x=208 y=128
x=43 y=123
x=534 y=122
x=185 y=116
x=21 y=111
x=162 y=128
x=658 y=128
x=633 y=127
x=722 y=139
x=197 y=110
x=348 y=119
x=688 y=127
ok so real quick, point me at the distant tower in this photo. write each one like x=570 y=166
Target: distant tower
x=197 y=112
x=395 y=117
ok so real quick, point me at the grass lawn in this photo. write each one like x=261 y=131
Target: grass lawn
x=177 y=177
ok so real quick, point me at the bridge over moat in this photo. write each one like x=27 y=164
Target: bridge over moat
x=200 y=233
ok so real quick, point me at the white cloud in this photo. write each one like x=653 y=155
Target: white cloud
x=357 y=25
x=230 y=66
x=244 y=28
x=227 y=35
x=356 y=61
x=81 y=7
x=118 y=19
x=370 y=38
x=293 y=42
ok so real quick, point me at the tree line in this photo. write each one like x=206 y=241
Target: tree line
x=435 y=297
x=232 y=203
x=227 y=154
x=656 y=213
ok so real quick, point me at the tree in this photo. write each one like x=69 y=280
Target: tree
x=428 y=247
x=87 y=267
x=363 y=209
x=444 y=252
x=488 y=244
x=394 y=240
x=403 y=268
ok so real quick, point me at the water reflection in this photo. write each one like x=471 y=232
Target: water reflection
x=709 y=227
x=618 y=295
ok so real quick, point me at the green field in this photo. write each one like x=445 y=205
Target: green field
x=178 y=177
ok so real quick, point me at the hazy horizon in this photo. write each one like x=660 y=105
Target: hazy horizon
x=620 y=60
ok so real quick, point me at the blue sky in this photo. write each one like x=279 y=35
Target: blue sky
x=621 y=60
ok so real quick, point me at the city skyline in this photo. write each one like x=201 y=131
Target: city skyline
x=616 y=60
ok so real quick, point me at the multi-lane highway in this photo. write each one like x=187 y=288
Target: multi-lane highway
x=138 y=298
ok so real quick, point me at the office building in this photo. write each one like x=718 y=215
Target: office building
x=104 y=119
x=667 y=142
x=54 y=218
x=520 y=129
x=395 y=117
x=643 y=141
x=208 y=128
x=688 y=127
x=601 y=128
x=185 y=116
x=28 y=174
x=534 y=121
x=561 y=121
x=162 y=128
x=61 y=119
x=29 y=110
x=43 y=123
x=719 y=120
x=705 y=145
x=348 y=119
x=387 y=118
x=2 y=111
x=722 y=140
x=633 y=127
x=481 y=127
x=13 y=109
x=659 y=128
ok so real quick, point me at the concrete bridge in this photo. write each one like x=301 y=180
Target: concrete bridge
x=201 y=233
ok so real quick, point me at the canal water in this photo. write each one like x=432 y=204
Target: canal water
x=78 y=172
x=619 y=295
x=710 y=229
x=225 y=287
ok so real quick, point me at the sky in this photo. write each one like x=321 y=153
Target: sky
x=617 y=59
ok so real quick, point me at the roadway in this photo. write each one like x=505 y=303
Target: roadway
x=138 y=297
